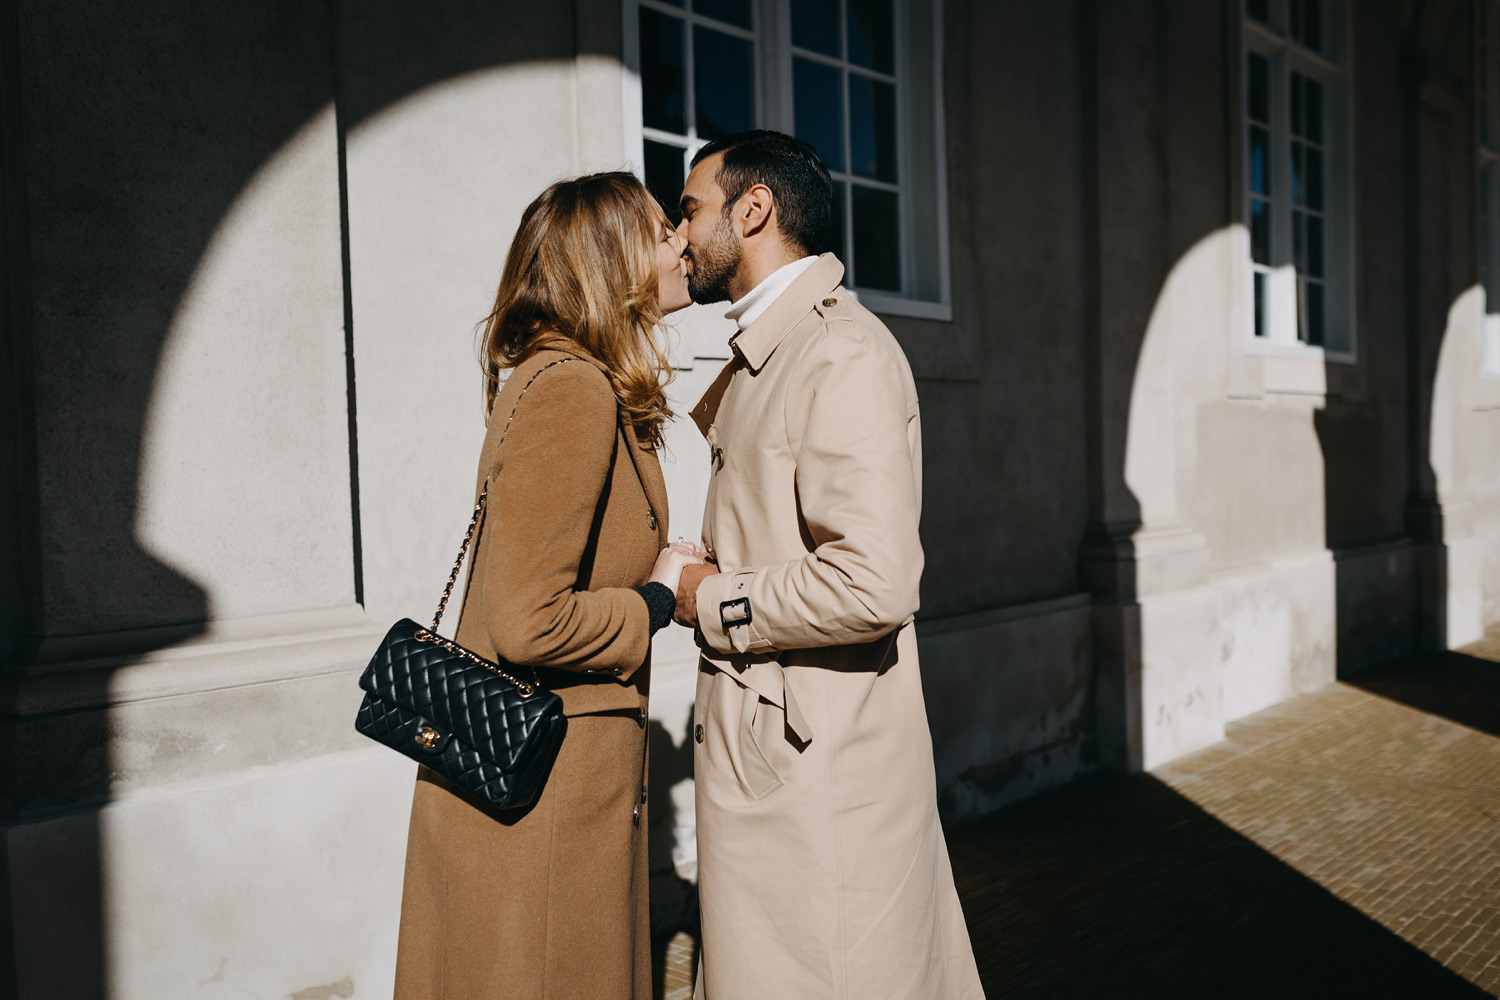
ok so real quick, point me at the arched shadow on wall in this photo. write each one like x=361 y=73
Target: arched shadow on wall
x=128 y=135
x=1393 y=586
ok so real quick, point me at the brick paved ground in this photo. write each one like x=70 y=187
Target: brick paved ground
x=1346 y=844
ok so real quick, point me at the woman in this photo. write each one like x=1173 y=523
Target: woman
x=552 y=902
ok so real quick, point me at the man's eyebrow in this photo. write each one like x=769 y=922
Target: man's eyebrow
x=688 y=203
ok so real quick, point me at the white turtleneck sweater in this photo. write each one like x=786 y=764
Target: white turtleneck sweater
x=755 y=302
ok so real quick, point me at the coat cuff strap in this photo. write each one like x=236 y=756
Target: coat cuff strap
x=726 y=616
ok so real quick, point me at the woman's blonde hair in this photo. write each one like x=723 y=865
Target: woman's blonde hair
x=582 y=268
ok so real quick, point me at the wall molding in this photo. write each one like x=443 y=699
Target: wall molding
x=79 y=673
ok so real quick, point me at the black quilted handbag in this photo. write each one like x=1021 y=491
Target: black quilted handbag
x=474 y=722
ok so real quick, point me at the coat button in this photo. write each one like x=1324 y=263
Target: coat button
x=653 y=520
x=698 y=733
x=830 y=302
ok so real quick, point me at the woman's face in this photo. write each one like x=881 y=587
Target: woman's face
x=671 y=282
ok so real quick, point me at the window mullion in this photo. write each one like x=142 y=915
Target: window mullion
x=690 y=88
x=1284 y=277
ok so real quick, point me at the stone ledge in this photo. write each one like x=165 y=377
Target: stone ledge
x=967 y=620
x=78 y=673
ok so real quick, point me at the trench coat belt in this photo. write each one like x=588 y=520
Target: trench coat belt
x=766 y=678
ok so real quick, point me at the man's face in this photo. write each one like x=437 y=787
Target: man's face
x=713 y=251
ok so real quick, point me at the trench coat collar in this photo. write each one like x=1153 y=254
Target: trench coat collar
x=642 y=456
x=757 y=342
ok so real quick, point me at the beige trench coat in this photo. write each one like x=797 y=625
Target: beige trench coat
x=823 y=872
x=549 y=902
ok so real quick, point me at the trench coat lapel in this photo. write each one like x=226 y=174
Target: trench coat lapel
x=707 y=407
x=754 y=345
x=757 y=342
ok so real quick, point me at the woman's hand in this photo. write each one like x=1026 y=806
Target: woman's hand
x=671 y=562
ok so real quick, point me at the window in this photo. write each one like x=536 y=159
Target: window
x=1487 y=103
x=858 y=79
x=1296 y=181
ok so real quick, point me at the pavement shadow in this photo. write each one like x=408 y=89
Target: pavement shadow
x=1457 y=686
x=1117 y=886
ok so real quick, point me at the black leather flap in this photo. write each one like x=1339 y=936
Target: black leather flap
x=481 y=709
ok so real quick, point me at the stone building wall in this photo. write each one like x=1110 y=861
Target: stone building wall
x=246 y=248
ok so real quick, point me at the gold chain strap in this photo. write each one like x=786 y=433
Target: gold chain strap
x=431 y=634
x=526 y=689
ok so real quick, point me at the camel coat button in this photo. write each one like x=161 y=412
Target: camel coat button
x=830 y=302
x=653 y=520
x=698 y=733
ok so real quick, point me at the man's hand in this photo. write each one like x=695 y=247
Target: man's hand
x=687 y=592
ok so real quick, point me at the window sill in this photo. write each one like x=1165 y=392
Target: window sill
x=883 y=304
x=1294 y=370
x=1300 y=352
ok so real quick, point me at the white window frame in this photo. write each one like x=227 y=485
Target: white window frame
x=1332 y=69
x=1487 y=167
x=922 y=162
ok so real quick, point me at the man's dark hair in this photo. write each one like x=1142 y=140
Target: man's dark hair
x=791 y=169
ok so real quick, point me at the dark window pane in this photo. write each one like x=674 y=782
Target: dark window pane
x=1315 y=246
x=663 y=104
x=1298 y=172
x=1314 y=323
x=818 y=98
x=1307 y=23
x=735 y=12
x=1260 y=304
x=1260 y=160
x=1487 y=237
x=1260 y=10
x=877 y=239
x=815 y=26
x=1296 y=102
x=1260 y=88
x=1312 y=90
x=871 y=33
x=664 y=176
x=872 y=128
x=837 y=239
x=1260 y=231
x=723 y=83
x=1299 y=242
x=1314 y=179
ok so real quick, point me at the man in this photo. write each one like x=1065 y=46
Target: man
x=823 y=872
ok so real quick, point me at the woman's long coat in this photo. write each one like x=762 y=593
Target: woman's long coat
x=551 y=902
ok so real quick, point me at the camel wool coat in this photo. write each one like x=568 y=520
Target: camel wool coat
x=550 y=901
x=823 y=871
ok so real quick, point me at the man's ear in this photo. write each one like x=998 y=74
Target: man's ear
x=754 y=210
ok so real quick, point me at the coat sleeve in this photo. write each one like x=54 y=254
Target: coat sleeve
x=847 y=422
x=544 y=492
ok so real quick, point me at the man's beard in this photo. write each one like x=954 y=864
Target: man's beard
x=714 y=265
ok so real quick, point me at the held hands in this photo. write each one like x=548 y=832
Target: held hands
x=672 y=561
x=687 y=592
x=681 y=566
